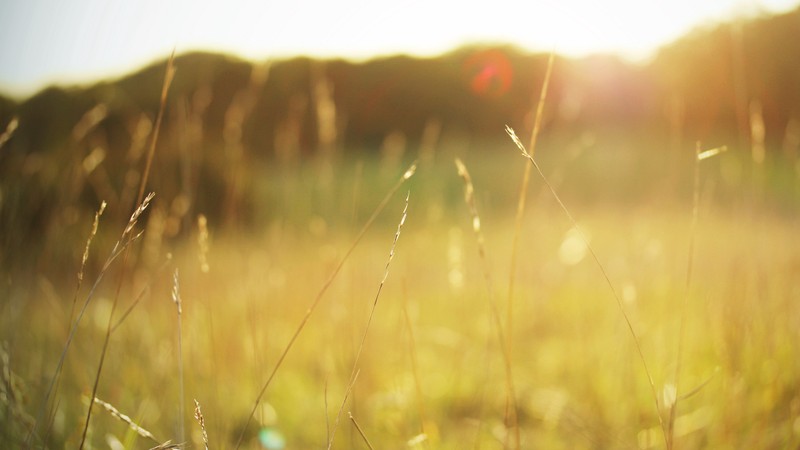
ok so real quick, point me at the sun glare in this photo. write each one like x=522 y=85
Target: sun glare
x=91 y=39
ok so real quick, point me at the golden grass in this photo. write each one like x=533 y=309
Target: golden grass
x=570 y=382
x=575 y=385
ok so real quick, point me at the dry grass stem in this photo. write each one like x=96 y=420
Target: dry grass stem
x=360 y=431
x=520 y=214
x=469 y=198
x=84 y=259
x=168 y=76
x=574 y=222
x=202 y=242
x=523 y=195
x=10 y=128
x=176 y=298
x=414 y=364
x=127 y=420
x=700 y=155
x=121 y=245
x=406 y=175
x=374 y=305
x=127 y=237
x=198 y=415
x=339 y=414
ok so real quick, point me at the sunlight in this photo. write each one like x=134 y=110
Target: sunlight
x=92 y=39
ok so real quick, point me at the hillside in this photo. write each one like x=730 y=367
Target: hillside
x=223 y=112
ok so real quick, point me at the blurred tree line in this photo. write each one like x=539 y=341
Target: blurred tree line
x=74 y=146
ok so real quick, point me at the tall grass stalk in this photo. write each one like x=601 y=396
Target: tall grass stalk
x=414 y=363
x=511 y=416
x=469 y=198
x=360 y=431
x=523 y=193
x=347 y=392
x=699 y=156
x=168 y=77
x=374 y=307
x=176 y=298
x=689 y=266
x=574 y=222
x=406 y=175
x=84 y=259
x=56 y=376
x=121 y=245
x=327 y=419
x=127 y=235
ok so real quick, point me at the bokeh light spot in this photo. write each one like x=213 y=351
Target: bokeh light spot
x=490 y=73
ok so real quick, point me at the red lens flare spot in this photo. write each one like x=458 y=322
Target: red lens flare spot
x=489 y=73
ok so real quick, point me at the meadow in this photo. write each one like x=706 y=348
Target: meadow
x=367 y=307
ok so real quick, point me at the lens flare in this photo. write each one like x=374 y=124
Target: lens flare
x=489 y=73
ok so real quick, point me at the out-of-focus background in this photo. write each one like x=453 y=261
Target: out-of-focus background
x=665 y=316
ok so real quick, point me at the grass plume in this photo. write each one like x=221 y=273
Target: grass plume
x=198 y=415
x=126 y=420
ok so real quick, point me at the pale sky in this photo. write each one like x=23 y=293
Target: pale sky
x=80 y=41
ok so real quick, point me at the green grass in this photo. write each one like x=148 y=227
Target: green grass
x=578 y=379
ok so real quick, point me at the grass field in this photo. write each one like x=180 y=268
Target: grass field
x=433 y=371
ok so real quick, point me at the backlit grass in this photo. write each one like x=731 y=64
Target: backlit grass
x=577 y=377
